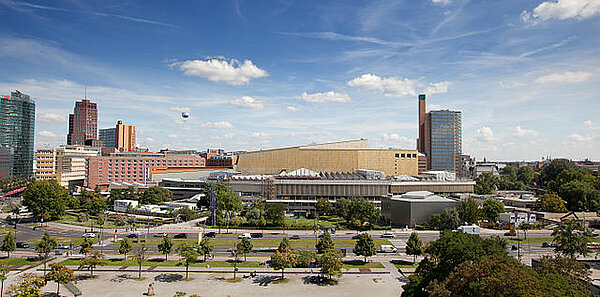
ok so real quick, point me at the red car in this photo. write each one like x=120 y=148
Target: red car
x=295 y=237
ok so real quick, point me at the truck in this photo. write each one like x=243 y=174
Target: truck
x=472 y=229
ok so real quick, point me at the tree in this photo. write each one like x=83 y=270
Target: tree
x=285 y=243
x=219 y=189
x=91 y=262
x=485 y=184
x=492 y=208
x=92 y=202
x=183 y=213
x=8 y=244
x=526 y=175
x=125 y=247
x=447 y=220
x=578 y=272
x=140 y=257
x=4 y=271
x=255 y=215
x=414 y=246
x=280 y=260
x=156 y=195
x=244 y=247
x=365 y=246
x=205 y=248
x=29 y=286
x=60 y=274
x=341 y=207
x=45 y=199
x=304 y=258
x=45 y=247
x=362 y=211
x=468 y=211
x=325 y=243
x=86 y=246
x=551 y=171
x=331 y=263
x=130 y=193
x=580 y=195
x=165 y=246
x=324 y=207
x=501 y=276
x=552 y=203
x=275 y=213
x=229 y=203
x=570 y=238
x=188 y=256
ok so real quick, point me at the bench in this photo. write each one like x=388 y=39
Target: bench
x=71 y=287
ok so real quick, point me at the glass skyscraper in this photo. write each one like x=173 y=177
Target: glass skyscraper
x=445 y=140
x=17 y=125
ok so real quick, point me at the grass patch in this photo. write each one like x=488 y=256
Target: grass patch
x=304 y=223
x=361 y=264
x=233 y=280
x=404 y=264
x=20 y=261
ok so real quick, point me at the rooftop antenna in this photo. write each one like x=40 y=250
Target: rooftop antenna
x=85 y=92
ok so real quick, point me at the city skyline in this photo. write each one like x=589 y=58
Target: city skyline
x=257 y=75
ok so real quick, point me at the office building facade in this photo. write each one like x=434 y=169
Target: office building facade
x=17 y=128
x=108 y=137
x=83 y=123
x=440 y=138
x=67 y=164
x=122 y=137
x=45 y=164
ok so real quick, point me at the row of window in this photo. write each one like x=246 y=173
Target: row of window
x=405 y=156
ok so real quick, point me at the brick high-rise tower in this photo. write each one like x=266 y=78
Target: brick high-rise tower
x=83 y=123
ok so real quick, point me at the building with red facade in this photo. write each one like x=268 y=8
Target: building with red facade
x=134 y=167
x=83 y=124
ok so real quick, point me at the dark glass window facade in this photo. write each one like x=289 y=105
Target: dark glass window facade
x=446 y=140
x=17 y=128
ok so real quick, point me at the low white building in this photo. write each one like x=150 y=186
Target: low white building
x=518 y=218
x=124 y=205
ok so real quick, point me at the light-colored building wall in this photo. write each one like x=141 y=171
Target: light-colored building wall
x=126 y=138
x=346 y=156
x=45 y=160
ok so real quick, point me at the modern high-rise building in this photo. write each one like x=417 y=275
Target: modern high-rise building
x=17 y=125
x=440 y=137
x=83 y=123
x=121 y=137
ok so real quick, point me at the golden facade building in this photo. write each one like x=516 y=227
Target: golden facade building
x=125 y=141
x=343 y=156
x=45 y=164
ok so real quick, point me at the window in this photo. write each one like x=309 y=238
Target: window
x=403 y=155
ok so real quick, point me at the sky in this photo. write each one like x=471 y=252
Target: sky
x=263 y=74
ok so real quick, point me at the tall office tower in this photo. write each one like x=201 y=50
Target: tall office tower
x=125 y=137
x=440 y=138
x=17 y=125
x=109 y=137
x=83 y=123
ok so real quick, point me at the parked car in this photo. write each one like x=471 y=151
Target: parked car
x=244 y=235
x=256 y=235
x=62 y=246
x=210 y=234
x=386 y=248
x=591 y=234
x=160 y=235
x=22 y=245
x=296 y=236
x=89 y=235
x=133 y=235
x=387 y=235
x=180 y=235
x=357 y=236
x=549 y=244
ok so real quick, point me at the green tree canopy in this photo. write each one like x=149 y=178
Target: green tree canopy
x=60 y=274
x=8 y=244
x=552 y=203
x=485 y=184
x=125 y=247
x=280 y=260
x=304 y=258
x=275 y=213
x=188 y=256
x=325 y=243
x=468 y=211
x=365 y=246
x=205 y=247
x=92 y=261
x=285 y=243
x=140 y=256
x=46 y=199
x=492 y=208
x=156 y=195
x=361 y=210
x=165 y=246
x=414 y=246
x=324 y=207
x=244 y=247
x=570 y=238
x=330 y=263
x=45 y=247
x=342 y=205
x=447 y=220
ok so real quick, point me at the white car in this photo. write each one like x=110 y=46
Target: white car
x=245 y=235
x=386 y=248
x=62 y=246
x=89 y=235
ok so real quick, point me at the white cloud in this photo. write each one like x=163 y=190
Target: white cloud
x=330 y=96
x=292 y=108
x=485 y=134
x=52 y=118
x=442 y=2
x=397 y=87
x=248 y=102
x=46 y=134
x=172 y=136
x=510 y=84
x=231 y=72
x=180 y=109
x=218 y=125
x=522 y=133
x=259 y=135
x=588 y=124
x=224 y=136
x=431 y=106
x=580 y=138
x=438 y=87
x=149 y=139
x=397 y=140
x=567 y=76
x=562 y=10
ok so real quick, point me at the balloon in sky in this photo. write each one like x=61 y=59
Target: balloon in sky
x=185 y=115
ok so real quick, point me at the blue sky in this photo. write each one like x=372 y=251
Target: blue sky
x=261 y=74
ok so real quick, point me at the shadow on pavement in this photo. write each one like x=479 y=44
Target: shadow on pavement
x=121 y=277
x=168 y=277
x=319 y=280
x=264 y=280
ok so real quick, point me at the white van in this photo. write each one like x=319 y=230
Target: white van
x=473 y=229
x=386 y=248
x=245 y=235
